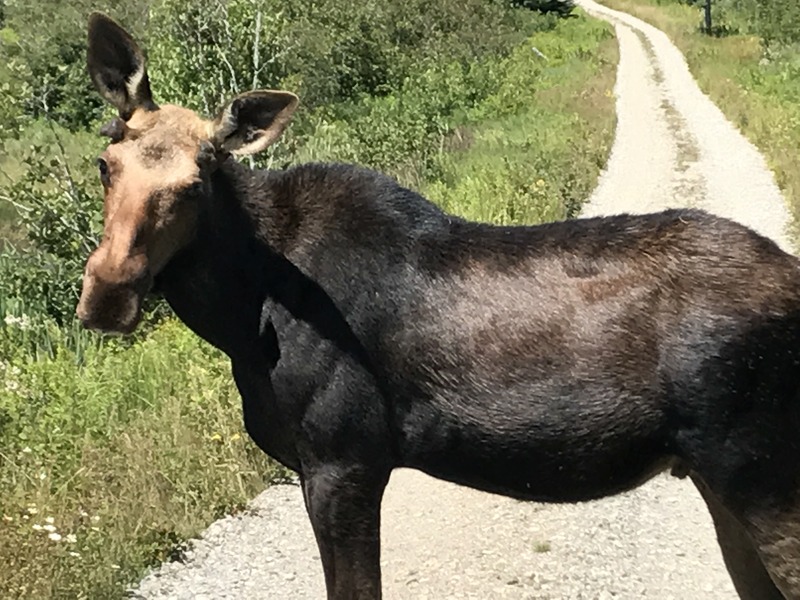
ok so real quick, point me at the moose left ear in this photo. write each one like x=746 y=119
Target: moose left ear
x=252 y=121
x=117 y=67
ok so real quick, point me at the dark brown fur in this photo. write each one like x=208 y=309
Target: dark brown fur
x=368 y=330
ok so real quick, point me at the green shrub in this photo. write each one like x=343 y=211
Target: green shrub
x=57 y=206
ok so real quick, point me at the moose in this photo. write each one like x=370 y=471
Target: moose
x=369 y=330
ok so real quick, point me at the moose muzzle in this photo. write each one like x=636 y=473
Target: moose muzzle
x=111 y=299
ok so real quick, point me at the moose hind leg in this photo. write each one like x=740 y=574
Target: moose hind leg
x=344 y=507
x=749 y=575
x=776 y=532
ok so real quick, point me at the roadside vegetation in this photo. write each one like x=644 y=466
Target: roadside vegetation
x=749 y=66
x=114 y=452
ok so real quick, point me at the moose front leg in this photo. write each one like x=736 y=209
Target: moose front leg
x=344 y=505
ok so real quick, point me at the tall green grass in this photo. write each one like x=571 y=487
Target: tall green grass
x=111 y=456
x=540 y=140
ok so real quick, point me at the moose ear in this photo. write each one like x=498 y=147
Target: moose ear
x=117 y=67
x=252 y=121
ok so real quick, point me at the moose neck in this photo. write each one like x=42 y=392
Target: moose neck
x=282 y=237
x=218 y=284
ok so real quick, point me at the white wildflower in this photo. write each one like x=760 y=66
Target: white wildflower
x=56 y=537
x=71 y=538
x=50 y=528
x=50 y=520
x=75 y=554
x=23 y=322
x=37 y=527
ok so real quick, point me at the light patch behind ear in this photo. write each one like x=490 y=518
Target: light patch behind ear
x=252 y=121
x=117 y=66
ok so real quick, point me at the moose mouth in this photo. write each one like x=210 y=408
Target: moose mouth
x=112 y=309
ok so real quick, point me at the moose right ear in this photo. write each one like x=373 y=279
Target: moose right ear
x=117 y=67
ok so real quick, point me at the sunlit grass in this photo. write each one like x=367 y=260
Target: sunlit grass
x=546 y=133
x=108 y=467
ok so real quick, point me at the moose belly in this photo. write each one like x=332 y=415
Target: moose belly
x=560 y=447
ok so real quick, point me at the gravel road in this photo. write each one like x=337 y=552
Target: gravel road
x=673 y=148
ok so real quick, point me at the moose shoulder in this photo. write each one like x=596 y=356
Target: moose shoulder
x=368 y=330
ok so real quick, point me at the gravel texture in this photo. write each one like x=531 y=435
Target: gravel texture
x=673 y=148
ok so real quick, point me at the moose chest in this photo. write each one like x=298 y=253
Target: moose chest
x=306 y=392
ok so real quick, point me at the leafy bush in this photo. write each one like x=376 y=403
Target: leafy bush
x=774 y=21
x=58 y=209
x=45 y=42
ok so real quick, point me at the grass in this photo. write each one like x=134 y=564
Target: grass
x=757 y=92
x=114 y=453
x=544 y=135
x=108 y=467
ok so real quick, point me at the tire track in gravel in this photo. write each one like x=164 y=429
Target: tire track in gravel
x=673 y=147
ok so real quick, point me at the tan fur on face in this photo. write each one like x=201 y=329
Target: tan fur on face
x=148 y=211
x=150 y=167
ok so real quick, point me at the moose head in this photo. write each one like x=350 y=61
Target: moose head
x=156 y=172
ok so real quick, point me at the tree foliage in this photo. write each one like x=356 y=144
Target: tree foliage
x=776 y=22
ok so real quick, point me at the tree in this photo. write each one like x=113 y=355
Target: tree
x=562 y=8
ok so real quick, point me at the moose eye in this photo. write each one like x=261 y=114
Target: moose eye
x=138 y=237
x=102 y=166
